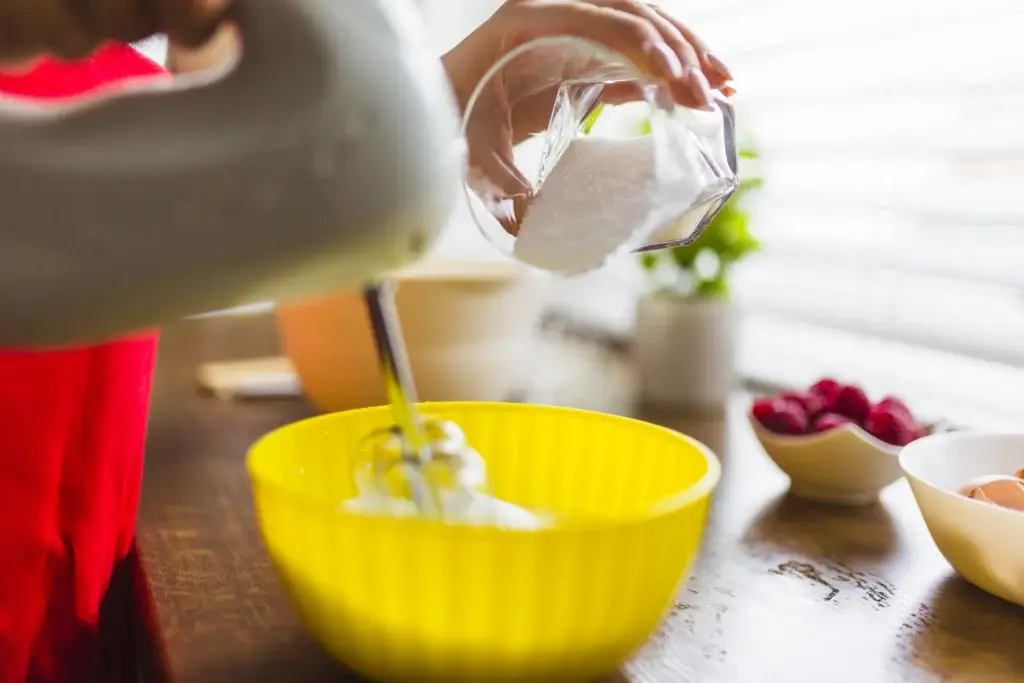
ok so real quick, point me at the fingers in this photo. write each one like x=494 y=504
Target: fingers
x=628 y=34
x=73 y=29
x=54 y=24
x=493 y=173
x=691 y=88
x=501 y=188
x=123 y=21
x=716 y=71
x=18 y=66
x=15 y=49
x=512 y=188
x=662 y=47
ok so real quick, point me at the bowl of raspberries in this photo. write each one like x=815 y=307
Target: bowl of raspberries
x=834 y=443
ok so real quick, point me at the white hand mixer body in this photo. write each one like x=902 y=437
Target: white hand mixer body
x=327 y=155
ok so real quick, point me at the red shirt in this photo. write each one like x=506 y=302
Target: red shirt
x=72 y=430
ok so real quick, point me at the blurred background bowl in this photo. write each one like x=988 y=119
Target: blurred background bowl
x=407 y=599
x=468 y=325
x=983 y=543
x=843 y=466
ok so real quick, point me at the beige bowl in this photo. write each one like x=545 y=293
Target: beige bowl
x=843 y=466
x=984 y=543
x=468 y=326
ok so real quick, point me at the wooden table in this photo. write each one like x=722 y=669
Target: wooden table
x=785 y=591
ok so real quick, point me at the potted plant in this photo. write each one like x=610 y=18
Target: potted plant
x=687 y=324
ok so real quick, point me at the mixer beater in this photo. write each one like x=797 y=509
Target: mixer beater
x=423 y=459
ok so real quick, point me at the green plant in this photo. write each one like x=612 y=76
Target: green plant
x=702 y=269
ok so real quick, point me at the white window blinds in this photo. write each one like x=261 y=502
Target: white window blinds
x=892 y=217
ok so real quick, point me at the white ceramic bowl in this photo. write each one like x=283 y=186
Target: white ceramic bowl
x=469 y=328
x=984 y=543
x=843 y=466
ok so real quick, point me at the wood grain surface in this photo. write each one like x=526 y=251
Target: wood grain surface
x=785 y=591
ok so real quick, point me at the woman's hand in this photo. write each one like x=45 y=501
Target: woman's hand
x=517 y=105
x=73 y=29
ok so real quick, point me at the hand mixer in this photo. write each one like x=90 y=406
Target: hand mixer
x=325 y=156
x=431 y=457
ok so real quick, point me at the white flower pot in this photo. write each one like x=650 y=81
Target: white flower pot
x=686 y=351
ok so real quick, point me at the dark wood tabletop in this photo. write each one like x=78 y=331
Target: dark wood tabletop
x=785 y=591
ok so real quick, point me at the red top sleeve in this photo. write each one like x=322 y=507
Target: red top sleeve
x=73 y=425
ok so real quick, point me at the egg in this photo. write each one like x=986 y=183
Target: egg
x=1001 y=490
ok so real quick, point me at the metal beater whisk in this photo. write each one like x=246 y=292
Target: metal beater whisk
x=430 y=455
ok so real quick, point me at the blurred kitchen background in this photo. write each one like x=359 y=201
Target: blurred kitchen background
x=889 y=135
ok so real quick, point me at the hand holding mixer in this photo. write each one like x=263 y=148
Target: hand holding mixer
x=327 y=155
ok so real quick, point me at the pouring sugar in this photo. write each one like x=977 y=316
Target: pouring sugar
x=597 y=197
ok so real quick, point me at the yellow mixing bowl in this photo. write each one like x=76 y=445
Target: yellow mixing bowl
x=410 y=600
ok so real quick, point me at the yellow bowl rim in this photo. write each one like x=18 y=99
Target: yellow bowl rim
x=700 y=489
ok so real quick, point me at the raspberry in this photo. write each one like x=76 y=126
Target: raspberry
x=849 y=401
x=897 y=406
x=891 y=425
x=780 y=416
x=829 y=421
x=825 y=387
x=811 y=403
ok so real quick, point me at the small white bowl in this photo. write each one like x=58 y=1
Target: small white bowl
x=843 y=466
x=984 y=543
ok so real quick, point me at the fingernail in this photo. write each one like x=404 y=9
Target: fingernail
x=667 y=59
x=718 y=65
x=728 y=89
x=701 y=89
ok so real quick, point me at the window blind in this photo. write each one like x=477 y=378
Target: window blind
x=892 y=215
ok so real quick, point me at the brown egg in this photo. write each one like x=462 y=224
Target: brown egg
x=1004 y=491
